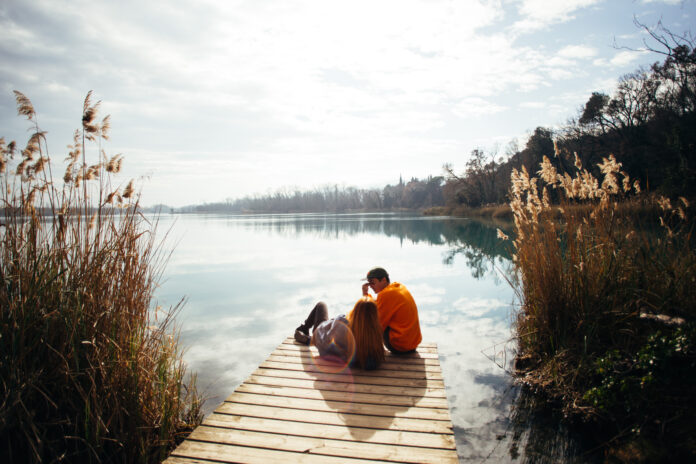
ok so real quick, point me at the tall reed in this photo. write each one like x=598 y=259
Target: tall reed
x=606 y=322
x=89 y=371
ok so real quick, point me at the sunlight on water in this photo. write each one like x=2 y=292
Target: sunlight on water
x=250 y=280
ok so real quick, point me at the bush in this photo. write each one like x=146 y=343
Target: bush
x=90 y=373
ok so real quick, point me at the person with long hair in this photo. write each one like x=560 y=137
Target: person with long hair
x=355 y=339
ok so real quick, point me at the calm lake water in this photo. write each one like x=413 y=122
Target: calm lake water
x=250 y=280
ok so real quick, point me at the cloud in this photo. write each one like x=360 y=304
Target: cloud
x=669 y=2
x=337 y=95
x=558 y=73
x=477 y=307
x=577 y=52
x=533 y=104
x=607 y=86
x=474 y=107
x=538 y=14
x=622 y=58
x=625 y=58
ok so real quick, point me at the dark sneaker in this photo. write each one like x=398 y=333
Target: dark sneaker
x=302 y=337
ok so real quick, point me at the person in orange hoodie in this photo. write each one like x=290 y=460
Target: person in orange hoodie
x=397 y=311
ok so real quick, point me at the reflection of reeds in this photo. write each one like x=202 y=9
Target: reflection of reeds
x=89 y=372
x=499 y=212
x=591 y=277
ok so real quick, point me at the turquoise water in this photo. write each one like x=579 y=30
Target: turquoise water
x=250 y=280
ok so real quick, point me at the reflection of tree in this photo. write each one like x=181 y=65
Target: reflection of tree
x=475 y=240
x=539 y=436
x=479 y=262
x=459 y=234
x=481 y=247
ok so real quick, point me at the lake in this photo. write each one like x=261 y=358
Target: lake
x=249 y=280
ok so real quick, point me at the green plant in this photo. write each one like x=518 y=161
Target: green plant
x=89 y=371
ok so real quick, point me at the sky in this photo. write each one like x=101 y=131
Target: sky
x=217 y=99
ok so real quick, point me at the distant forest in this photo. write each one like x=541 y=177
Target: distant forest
x=414 y=194
x=649 y=125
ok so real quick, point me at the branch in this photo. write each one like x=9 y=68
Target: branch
x=668 y=39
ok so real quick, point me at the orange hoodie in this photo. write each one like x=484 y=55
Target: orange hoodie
x=397 y=310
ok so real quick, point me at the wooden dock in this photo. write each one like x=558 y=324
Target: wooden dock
x=297 y=407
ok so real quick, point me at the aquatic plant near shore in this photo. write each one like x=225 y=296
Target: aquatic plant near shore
x=606 y=321
x=89 y=372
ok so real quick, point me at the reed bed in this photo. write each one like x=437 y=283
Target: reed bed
x=606 y=319
x=89 y=371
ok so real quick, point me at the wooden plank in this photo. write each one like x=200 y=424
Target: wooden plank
x=339 y=406
x=389 y=364
x=305 y=348
x=337 y=432
x=347 y=377
x=324 y=368
x=181 y=460
x=431 y=359
x=322 y=446
x=389 y=358
x=244 y=454
x=289 y=344
x=347 y=387
x=336 y=418
x=368 y=398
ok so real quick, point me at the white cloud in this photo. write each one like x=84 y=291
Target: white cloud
x=669 y=2
x=477 y=307
x=475 y=107
x=533 y=104
x=537 y=14
x=560 y=73
x=564 y=63
x=607 y=86
x=577 y=52
x=624 y=58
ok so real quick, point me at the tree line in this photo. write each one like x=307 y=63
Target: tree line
x=415 y=194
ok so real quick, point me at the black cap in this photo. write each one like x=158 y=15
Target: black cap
x=377 y=273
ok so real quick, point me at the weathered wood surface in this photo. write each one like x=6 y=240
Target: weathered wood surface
x=297 y=407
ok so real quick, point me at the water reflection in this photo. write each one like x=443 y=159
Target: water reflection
x=479 y=244
x=477 y=241
x=251 y=279
x=434 y=230
x=540 y=436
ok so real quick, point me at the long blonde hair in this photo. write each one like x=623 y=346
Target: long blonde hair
x=367 y=331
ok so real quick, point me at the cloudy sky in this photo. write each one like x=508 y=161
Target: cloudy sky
x=216 y=99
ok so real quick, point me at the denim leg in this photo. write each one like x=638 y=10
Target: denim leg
x=319 y=314
x=385 y=337
x=389 y=346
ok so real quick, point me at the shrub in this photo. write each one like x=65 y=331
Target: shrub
x=90 y=373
